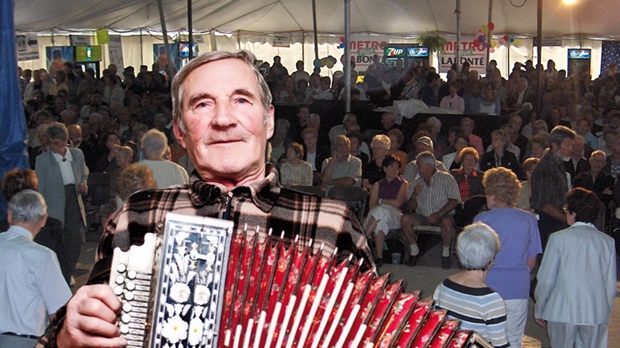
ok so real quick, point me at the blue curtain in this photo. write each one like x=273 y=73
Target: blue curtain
x=13 y=148
x=610 y=53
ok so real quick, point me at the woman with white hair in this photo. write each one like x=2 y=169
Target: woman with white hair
x=373 y=170
x=466 y=296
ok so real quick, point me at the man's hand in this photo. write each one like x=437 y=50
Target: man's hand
x=339 y=157
x=433 y=218
x=417 y=189
x=91 y=318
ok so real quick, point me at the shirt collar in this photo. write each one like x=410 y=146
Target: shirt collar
x=21 y=232
x=263 y=193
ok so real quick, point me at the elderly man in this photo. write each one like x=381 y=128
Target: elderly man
x=154 y=144
x=388 y=121
x=550 y=183
x=434 y=197
x=31 y=284
x=223 y=116
x=423 y=144
x=341 y=168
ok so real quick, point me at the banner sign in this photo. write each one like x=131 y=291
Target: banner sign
x=475 y=56
x=79 y=40
x=27 y=47
x=364 y=47
x=281 y=40
x=115 y=49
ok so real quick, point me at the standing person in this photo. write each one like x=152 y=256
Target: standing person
x=62 y=175
x=388 y=201
x=550 y=183
x=466 y=296
x=223 y=118
x=31 y=283
x=577 y=278
x=518 y=233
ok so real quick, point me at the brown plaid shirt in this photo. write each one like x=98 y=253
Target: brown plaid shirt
x=263 y=204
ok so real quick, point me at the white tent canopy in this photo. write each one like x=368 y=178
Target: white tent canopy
x=586 y=19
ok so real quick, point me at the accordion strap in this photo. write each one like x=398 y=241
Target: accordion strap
x=100 y=273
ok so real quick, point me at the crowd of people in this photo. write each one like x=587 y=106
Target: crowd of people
x=192 y=142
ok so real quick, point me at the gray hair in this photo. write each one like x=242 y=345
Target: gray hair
x=477 y=245
x=559 y=133
x=179 y=79
x=154 y=143
x=426 y=157
x=58 y=130
x=435 y=121
x=27 y=206
x=381 y=139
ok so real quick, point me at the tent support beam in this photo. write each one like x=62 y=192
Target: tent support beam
x=457 y=52
x=539 y=48
x=347 y=61
x=170 y=66
x=316 y=39
x=190 y=29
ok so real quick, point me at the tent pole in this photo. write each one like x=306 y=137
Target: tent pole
x=490 y=33
x=540 y=72
x=347 y=61
x=190 y=28
x=316 y=40
x=457 y=52
x=141 y=49
x=170 y=67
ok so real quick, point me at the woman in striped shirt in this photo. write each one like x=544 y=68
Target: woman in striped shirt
x=466 y=296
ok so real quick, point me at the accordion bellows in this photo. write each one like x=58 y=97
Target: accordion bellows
x=201 y=285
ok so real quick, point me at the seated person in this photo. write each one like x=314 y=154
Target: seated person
x=33 y=287
x=434 y=197
x=453 y=101
x=423 y=144
x=523 y=202
x=595 y=179
x=449 y=159
x=468 y=178
x=166 y=173
x=466 y=296
x=500 y=156
x=312 y=153
x=388 y=200
x=373 y=170
x=295 y=171
x=396 y=141
x=467 y=127
x=357 y=142
x=341 y=168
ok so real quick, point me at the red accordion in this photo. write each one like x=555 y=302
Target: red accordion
x=202 y=285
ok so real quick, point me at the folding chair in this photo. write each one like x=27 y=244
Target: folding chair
x=354 y=196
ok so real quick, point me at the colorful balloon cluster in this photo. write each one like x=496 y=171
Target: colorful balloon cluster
x=328 y=61
x=481 y=38
x=341 y=42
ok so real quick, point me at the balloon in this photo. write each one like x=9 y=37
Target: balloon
x=491 y=25
x=341 y=45
x=492 y=50
x=317 y=64
x=516 y=42
x=479 y=33
x=484 y=45
x=342 y=38
x=493 y=44
x=323 y=62
x=477 y=43
x=501 y=41
x=317 y=69
x=329 y=64
x=511 y=39
x=484 y=29
x=505 y=37
x=482 y=38
x=331 y=59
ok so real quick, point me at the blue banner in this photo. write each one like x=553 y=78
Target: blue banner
x=13 y=148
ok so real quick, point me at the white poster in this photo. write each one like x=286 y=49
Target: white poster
x=469 y=52
x=364 y=47
x=27 y=47
x=116 y=53
x=281 y=40
x=79 y=40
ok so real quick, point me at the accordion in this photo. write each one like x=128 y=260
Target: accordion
x=202 y=285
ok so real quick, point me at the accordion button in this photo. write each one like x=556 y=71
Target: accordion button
x=121 y=268
x=120 y=279
x=126 y=318
x=126 y=307
x=124 y=329
x=118 y=290
x=131 y=274
x=129 y=296
x=131 y=286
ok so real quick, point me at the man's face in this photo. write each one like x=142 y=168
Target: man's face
x=341 y=147
x=597 y=162
x=304 y=114
x=75 y=135
x=566 y=147
x=387 y=120
x=466 y=127
x=425 y=169
x=226 y=128
x=577 y=149
x=310 y=139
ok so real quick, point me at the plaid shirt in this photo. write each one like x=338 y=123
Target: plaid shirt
x=262 y=204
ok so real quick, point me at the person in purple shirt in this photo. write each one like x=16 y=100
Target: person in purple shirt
x=520 y=238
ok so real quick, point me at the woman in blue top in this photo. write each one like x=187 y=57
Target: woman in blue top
x=518 y=232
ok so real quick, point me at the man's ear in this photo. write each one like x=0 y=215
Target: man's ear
x=9 y=217
x=270 y=125
x=178 y=133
